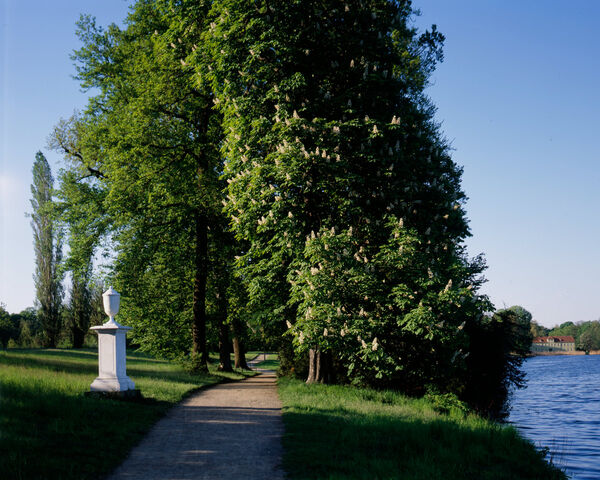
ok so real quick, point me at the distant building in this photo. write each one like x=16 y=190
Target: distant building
x=553 y=344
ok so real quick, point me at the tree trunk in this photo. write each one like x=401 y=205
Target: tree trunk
x=199 y=350
x=224 y=349
x=239 y=352
x=319 y=367
x=78 y=337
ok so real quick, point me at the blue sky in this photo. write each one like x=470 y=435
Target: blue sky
x=517 y=96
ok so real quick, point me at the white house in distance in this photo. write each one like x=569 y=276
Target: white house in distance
x=556 y=344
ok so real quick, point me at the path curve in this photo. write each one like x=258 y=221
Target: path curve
x=229 y=431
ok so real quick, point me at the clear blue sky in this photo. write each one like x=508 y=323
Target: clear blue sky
x=517 y=96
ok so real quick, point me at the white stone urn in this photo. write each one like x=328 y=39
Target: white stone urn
x=112 y=300
x=112 y=374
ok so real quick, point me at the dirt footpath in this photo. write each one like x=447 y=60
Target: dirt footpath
x=230 y=431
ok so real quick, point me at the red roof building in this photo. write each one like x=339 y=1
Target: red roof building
x=556 y=343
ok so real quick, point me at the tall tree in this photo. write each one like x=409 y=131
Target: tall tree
x=343 y=186
x=80 y=208
x=47 y=242
x=149 y=139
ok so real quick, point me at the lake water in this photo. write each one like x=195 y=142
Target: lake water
x=560 y=409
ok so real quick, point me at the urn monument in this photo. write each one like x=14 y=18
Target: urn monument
x=112 y=375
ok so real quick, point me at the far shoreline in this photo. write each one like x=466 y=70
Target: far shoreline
x=552 y=354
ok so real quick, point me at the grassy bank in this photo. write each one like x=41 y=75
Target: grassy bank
x=50 y=430
x=339 y=432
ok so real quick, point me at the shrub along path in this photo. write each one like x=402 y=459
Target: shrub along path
x=231 y=431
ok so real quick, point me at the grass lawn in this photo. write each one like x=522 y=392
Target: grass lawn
x=268 y=364
x=270 y=361
x=249 y=356
x=341 y=432
x=260 y=355
x=50 y=430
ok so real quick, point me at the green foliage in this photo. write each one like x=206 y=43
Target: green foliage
x=538 y=330
x=30 y=333
x=329 y=143
x=84 y=309
x=9 y=329
x=446 y=402
x=308 y=121
x=520 y=333
x=391 y=315
x=588 y=336
x=47 y=241
x=80 y=209
x=566 y=328
x=144 y=171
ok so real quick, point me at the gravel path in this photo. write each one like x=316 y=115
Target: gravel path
x=229 y=431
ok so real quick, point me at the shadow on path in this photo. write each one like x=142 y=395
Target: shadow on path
x=229 y=431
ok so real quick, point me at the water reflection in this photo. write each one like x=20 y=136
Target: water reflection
x=560 y=409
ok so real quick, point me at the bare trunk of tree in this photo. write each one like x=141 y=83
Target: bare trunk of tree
x=319 y=367
x=239 y=353
x=199 y=306
x=224 y=346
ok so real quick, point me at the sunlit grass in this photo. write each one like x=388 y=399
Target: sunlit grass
x=50 y=430
x=271 y=363
x=341 y=432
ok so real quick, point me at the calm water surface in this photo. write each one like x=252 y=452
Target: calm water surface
x=560 y=409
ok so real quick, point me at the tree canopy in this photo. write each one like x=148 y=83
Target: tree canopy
x=340 y=181
x=277 y=165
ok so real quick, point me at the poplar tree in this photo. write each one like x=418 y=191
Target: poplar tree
x=47 y=243
x=343 y=186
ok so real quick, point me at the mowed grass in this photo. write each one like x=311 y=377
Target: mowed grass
x=341 y=432
x=256 y=355
x=270 y=361
x=50 y=430
x=268 y=364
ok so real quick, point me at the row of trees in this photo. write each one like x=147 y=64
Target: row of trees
x=20 y=329
x=59 y=214
x=276 y=166
x=586 y=334
x=25 y=330
x=54 y=321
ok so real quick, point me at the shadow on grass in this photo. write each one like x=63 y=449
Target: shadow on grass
x=345 y=444
x=46 y=434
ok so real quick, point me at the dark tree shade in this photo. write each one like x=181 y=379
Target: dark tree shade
x=499 y=344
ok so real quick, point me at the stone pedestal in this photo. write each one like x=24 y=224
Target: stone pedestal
x=112 y=376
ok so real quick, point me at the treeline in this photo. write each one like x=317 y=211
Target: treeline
x=272 y=171
x=585 y=333
x=26 y=330
x=20 y=329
